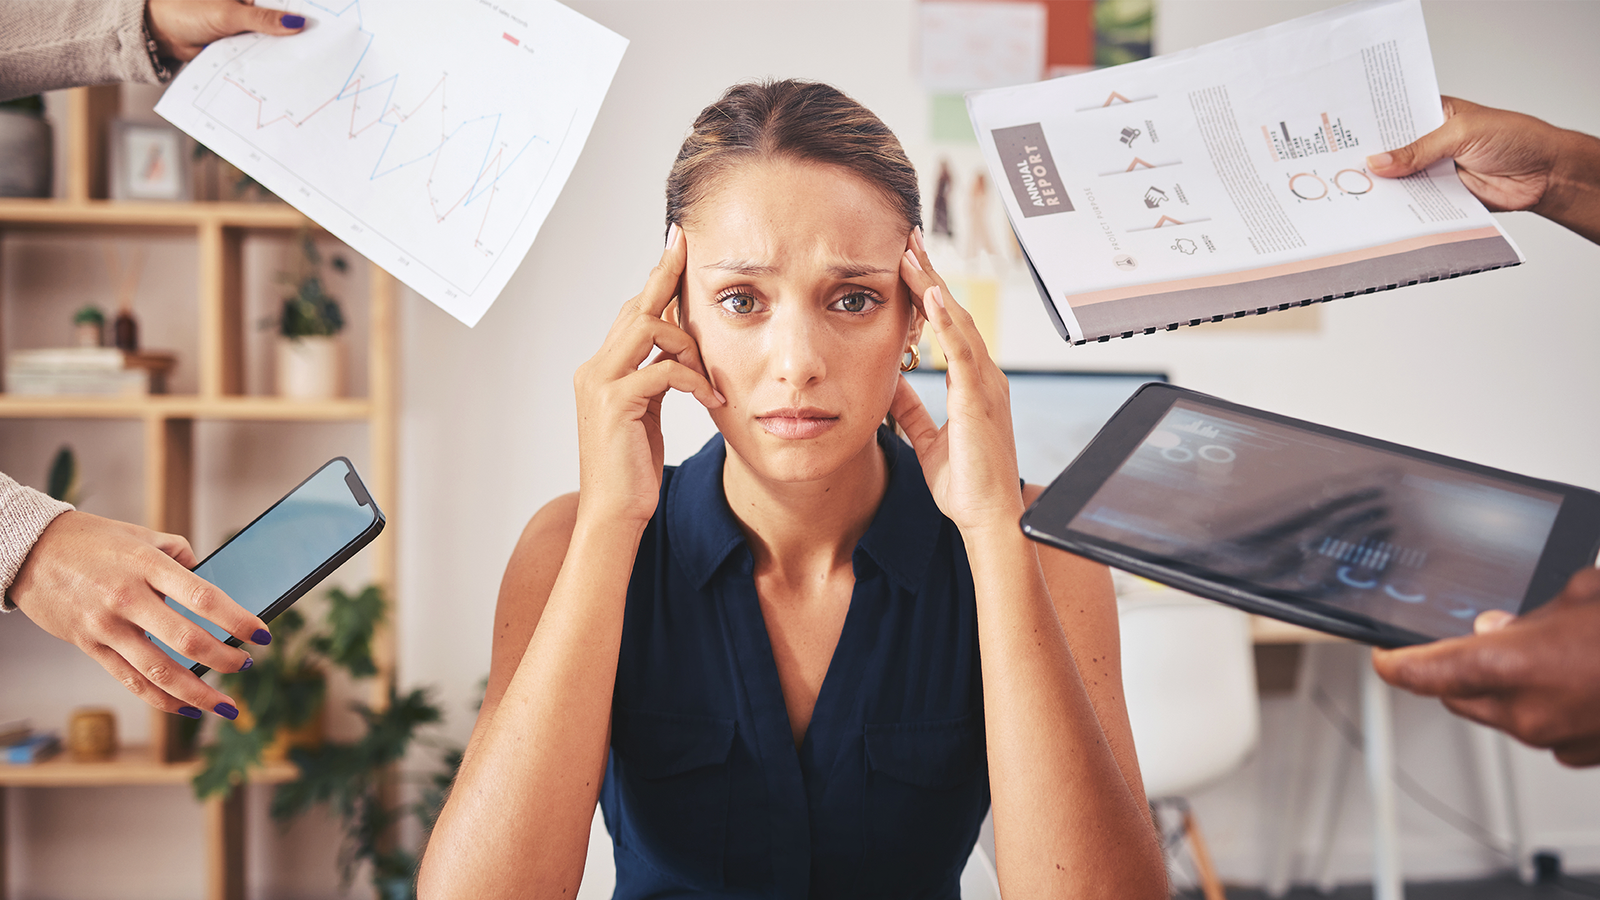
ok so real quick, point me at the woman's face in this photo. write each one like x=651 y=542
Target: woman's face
x=793 y=292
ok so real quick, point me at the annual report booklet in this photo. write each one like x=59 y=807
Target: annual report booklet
x=1231 y=179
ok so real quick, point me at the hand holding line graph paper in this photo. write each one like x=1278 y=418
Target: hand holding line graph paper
x=431 y=138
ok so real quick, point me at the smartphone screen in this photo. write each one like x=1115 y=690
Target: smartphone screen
x=307 y=533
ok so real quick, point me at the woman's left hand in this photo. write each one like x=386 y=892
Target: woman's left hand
x=971 y=462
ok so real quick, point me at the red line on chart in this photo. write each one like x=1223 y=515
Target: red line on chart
x=477 y=239
x=492 y=161
x=353 y=130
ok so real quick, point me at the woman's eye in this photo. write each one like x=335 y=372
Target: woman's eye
x=855 y=302
x=738 y=302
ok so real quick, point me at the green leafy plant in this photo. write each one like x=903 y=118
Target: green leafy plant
x=89 y=315
x=242 y=183
x=63 y=483
x=286 y=687
x=32 y=105
x=310 y=311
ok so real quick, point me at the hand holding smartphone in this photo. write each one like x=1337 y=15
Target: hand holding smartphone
x=288 y=550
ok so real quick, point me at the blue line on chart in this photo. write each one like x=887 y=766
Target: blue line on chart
x=478 y=188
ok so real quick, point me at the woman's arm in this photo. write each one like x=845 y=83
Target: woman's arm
x=517 y=821
x=1069 y=808
x=1070 y=817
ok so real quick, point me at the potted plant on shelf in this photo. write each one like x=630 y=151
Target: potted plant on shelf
x=284 y=692
x=89 y=324
x=310 y=354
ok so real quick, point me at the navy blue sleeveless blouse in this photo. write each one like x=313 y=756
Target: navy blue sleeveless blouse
x=705 y=793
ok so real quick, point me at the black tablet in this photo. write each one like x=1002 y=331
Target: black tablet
x=1335 y=531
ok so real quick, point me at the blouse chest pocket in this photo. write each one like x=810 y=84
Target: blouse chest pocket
x=927 y=794
x=673 y=779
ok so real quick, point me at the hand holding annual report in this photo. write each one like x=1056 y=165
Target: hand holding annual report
x=1231 y=179
x=432 y=138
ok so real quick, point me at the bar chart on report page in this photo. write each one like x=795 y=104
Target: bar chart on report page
x=432 y=138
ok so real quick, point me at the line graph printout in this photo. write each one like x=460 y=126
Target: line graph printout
x=433 y=139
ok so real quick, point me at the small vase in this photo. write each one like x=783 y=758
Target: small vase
x=310 y=368
x=92 y=735
x=25 y=155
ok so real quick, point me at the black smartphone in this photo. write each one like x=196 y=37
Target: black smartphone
x=1347 y=534
x=288 y=549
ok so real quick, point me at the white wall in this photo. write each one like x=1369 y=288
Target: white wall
x=1491 y=368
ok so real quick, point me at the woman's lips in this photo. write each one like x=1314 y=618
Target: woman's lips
x=796 y=424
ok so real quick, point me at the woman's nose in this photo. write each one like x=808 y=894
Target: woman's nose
x=798 y=347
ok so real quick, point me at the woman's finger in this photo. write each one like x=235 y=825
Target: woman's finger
x=913 y=418
x=175 y=546
x=916 y=279
x=656 y=378
x=171 y=678
x=919 y=255
x=207 y=601
x=957 y=345
x=184 y=635
x=137 y=684
x=628 y=351
x=661 y=286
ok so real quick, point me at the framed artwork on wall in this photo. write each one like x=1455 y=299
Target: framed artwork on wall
x=149 y=161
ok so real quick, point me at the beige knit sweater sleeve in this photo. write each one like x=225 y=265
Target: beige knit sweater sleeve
x=50 y=44
x=24 y=514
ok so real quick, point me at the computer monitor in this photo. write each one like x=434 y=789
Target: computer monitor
x=1054 y=414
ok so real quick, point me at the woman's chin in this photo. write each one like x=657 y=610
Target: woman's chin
x=795 y=452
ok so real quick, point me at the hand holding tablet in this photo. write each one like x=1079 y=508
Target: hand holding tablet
x=1335 y=531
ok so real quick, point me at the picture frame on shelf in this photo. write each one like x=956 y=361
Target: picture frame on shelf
x=149 y=161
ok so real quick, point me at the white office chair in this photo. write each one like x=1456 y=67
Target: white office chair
x=1188 y=674
x=978 y=879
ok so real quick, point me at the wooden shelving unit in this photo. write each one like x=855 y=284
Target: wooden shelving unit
x=168 y=426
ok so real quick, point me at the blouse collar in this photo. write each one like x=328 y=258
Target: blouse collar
x=704 y=532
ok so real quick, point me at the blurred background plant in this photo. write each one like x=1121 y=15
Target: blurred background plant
x=63 y=482
x=283 y=694
x=309 y=311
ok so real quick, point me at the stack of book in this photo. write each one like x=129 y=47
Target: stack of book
x=23 y=745
x=82 y=371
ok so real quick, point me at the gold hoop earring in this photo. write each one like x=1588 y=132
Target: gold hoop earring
x=916 y=359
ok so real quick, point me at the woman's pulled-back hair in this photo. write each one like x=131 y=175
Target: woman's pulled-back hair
x=803 y=121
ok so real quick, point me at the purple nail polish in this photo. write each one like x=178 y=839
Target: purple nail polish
x=189 y=711
x=226 y=710
x=261 y=637
x=248 y=662
x=292 y=21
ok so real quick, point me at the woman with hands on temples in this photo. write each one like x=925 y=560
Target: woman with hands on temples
x=804 y=662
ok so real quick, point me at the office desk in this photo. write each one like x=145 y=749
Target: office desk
x=1377 y=733
x=1265 y=631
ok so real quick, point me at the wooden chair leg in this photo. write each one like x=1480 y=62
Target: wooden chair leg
x=1210 y=884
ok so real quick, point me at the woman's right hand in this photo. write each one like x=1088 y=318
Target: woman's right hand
x=620 y=453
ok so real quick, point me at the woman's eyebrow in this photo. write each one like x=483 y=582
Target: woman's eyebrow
x=837 y=270
x=742 y=267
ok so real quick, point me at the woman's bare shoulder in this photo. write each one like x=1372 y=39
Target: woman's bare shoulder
x=540 y=550
x=525 y=588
